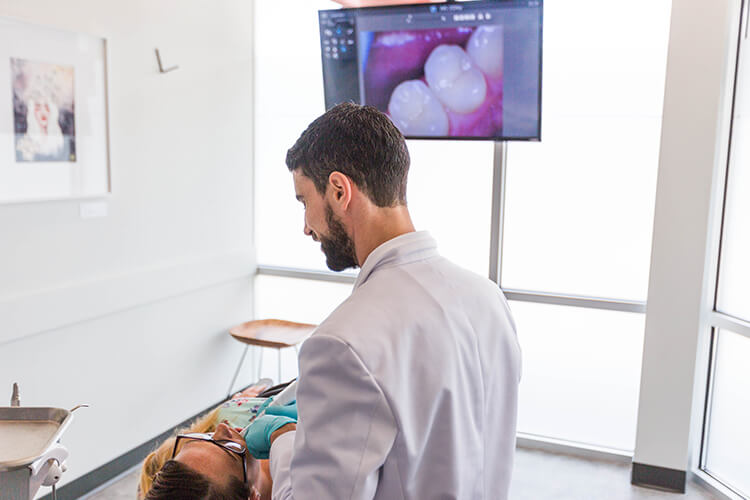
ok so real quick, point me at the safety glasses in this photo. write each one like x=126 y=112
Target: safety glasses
x=230 y=446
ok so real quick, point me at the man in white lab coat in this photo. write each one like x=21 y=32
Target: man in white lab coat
x=408 y=390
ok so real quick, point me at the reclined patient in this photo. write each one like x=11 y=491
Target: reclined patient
x=211 y=469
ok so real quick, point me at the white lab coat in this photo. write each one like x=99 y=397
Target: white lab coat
x=408 y=390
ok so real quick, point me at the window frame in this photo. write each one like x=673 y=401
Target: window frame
x=716 y=320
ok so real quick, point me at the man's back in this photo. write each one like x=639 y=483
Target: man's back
x=427 y=368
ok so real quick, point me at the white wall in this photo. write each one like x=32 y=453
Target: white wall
x=129 y=312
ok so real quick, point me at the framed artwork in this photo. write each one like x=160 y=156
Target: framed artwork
x=54 y=140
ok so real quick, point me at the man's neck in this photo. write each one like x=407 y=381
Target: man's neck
x=382 y=225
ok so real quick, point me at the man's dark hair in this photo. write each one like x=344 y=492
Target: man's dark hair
x=360 y=142
x=177 y=481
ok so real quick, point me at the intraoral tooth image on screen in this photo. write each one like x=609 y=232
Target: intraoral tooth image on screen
x=436 y=82
x=468 y=70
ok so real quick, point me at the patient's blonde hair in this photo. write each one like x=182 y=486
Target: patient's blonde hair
x=157 y=458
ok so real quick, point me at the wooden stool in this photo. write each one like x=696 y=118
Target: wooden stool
x=274 y=333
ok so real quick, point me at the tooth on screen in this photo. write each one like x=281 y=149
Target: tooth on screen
x=456 y=81
x=485 y=48
x=416 y=110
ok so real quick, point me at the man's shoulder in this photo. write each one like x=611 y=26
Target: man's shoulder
x=368 y=318
x=347 y=316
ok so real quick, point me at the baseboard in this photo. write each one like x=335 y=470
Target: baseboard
x=660 y=478
x=88 y=482
x=573 y=448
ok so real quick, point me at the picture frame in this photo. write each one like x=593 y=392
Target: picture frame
x=54 y=123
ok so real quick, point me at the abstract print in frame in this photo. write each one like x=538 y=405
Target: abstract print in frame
x=43 y=111
x=54 y=134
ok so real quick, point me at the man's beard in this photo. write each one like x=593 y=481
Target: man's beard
x=337 y=246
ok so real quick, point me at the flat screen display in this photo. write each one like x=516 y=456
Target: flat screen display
x=469 y=70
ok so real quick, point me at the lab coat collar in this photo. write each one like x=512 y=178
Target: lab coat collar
x=408 y=247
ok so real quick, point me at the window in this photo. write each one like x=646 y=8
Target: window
x=727 y=436
x=450 y=194
x=579 y=207
x=301 y=300
x=726 y=455
x=581 y=373
x=288 y=96
x=578 y=220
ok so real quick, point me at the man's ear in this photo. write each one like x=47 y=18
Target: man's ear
x=341 y=189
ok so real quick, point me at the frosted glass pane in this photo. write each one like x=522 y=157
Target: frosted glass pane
x=579 y=205
x=581 y=373
x=288 y=96
x=306 y=301
x=729 y=428
x=450 y=195
x=734 y=278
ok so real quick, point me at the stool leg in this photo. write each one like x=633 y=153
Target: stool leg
x=237 y=372
x=279 y=358
x=260 y=362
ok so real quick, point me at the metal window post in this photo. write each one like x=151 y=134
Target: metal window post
x=499 y=164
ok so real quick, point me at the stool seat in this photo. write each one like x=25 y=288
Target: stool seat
x=274 y=333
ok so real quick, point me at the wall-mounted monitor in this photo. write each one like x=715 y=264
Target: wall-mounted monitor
x=468 y=70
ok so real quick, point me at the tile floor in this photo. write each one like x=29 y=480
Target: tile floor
x=538 y=475
x=543 y=475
